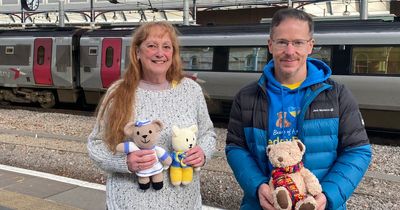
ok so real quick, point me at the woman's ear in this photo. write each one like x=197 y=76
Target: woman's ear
x=137 y=54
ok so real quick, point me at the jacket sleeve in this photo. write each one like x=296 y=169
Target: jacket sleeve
x=245 y=168
x=354 y=153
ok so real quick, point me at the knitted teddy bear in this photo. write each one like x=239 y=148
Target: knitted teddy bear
x=144 y=135
x=183 y=139
x=292 y=184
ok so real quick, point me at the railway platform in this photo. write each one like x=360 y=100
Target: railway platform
x=28 y=189
x=57 y=145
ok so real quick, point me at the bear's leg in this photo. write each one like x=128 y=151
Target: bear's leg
x=157 y=180
x=308 y=203
x=175 y=173
x=187 y=175
x=282 y=199
x=144 y=183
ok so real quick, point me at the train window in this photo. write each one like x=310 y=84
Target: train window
x=9 y=50
x=376 y=60
x=109 y=56
x=92 y=50
x=247 y=58
x=322 y=53
x=40 y=55
x=197 y=58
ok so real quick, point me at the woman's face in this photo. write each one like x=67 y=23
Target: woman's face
x=155 y=55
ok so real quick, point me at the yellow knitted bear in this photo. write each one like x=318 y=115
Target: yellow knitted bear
x=183 y=139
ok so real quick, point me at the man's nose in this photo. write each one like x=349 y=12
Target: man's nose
x=290 y=49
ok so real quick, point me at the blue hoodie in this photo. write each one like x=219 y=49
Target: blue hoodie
x=286 y=103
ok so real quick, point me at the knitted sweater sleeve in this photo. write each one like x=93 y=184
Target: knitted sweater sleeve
x=98 y=150
x=102 y=156
x=206 y=136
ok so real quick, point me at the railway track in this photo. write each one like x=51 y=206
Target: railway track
x=72 y=109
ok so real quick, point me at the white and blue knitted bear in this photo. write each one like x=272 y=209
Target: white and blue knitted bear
x=143 y=135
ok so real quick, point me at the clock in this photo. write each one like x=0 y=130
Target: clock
x=30 y=5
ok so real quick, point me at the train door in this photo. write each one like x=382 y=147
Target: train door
x=110 y=61
x=42 y=61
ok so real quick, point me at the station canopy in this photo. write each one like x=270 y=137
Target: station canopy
x=130 y=12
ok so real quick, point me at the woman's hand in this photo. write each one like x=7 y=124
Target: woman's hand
x=195 y=157
x=140 y=160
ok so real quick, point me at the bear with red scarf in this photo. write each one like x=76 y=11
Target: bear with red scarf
x=292 y=184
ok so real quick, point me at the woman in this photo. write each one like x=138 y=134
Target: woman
x=153 y=87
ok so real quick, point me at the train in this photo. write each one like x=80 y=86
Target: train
x=51 y=66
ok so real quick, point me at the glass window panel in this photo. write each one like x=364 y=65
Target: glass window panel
x=247 y=58
x=376 y=60
x=77 y=1
x=109 y=56
x=40 y=55
x=197 y=58
x=10 y=2
x=322 y=53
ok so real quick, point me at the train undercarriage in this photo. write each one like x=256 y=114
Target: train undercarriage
x=46 y=98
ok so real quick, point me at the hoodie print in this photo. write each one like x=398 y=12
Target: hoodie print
x=285 y=103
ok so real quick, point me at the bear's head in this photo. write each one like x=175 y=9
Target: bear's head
x=184 y=139
x=286 y=153
x=145 y=133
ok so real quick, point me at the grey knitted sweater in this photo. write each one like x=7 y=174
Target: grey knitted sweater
x=183 y=105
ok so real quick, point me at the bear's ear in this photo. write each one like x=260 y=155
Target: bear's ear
x=193 y=128
x=128 y=129
x=269 y=147
x=158 y=123
x=300 y=145
x=175 y=130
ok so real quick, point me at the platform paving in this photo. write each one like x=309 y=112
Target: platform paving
x=43 y=191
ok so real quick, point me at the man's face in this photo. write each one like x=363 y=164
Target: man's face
x=290 y=44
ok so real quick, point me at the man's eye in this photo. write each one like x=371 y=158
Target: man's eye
x=298 y=43
x=282 y=42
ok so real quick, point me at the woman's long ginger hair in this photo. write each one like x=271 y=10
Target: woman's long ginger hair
x=117 y=107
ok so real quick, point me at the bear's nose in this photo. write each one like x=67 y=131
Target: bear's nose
x=280 y=159
x=144 y=136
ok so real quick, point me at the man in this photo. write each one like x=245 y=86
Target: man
x=294 y=98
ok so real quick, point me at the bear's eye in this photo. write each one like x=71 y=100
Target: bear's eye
x=187 y=139
x=137 y=133
x=150 y=131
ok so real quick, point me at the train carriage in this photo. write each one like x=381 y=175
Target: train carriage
x=39 y=65
x=363 y=55
x=104 y=55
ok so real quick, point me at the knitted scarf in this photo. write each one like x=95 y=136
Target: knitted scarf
x=280 y=178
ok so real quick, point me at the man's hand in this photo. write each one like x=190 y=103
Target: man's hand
x=321 y=201
x=265 y=196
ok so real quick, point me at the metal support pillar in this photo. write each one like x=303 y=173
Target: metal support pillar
x=363 y=9
x=61 y=13
x=186 y=12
